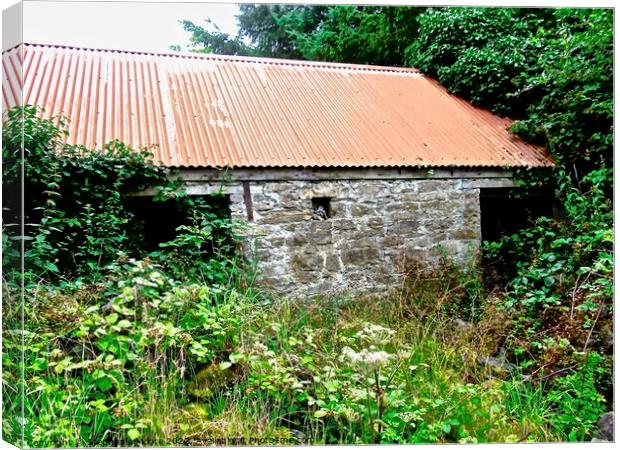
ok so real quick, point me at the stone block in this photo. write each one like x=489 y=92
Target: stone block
x=276 y=241
x=342 y=224
x=421 y=241
x=440 y=225
x=409 y=196
x=307 y=261
x=320 y=225
x=370 y=190
x=392 y=240
x=406 y=227
x=338 y=209
x=374 y=222
x=324 y=287
x=279 y=187
x=319 y=237
x=285 y=217
x=296 y=240
x=307 y=276
x=432 y=186
x=437 y=205
x=410 y=207
x=332 y=263
x=466 y=233
x=363 y=232
x=402 y=214
x=294 y=227
x=360 y=256
x=360 y=210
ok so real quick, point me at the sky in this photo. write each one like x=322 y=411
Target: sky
x=134 y=26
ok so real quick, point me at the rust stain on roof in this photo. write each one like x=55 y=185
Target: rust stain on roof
x=224 y=111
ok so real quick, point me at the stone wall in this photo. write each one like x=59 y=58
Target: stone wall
x=373 y=226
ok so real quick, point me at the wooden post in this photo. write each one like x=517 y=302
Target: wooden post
x=247 y=199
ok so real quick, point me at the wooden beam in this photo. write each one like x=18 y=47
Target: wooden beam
x=284 y=174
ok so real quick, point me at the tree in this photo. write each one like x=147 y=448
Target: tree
x=215 y=41
x=274 y=30
x=361 y=34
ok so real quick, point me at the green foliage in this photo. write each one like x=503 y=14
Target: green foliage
x=144 y=358
x=552 y=70
x=102 y=329
x=571 y=110
x=357 y=34
x=192 y=253
x=477 y=52
x=74 y=209
x=273 y=29
x=578 y=402
x=377 y=371
x=561 y=272
x=93 y=352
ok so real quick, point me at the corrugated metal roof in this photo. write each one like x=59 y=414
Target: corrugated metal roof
x=216 y=111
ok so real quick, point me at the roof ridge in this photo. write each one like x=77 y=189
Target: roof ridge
x=246 y=59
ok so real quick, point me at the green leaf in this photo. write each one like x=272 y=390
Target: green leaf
x=104 y=383
x=124 y=323
x=111 y=318
x=321 y=413
x=133 y=434
x=52 y=267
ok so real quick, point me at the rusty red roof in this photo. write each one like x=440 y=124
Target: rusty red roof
x=216 y=111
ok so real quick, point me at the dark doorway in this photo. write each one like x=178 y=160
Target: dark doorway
x=154 y=222
x=502 y=212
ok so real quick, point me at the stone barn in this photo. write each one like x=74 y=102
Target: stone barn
x=341 y=171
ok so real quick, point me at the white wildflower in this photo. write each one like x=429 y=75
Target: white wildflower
x=375 y=334
x=358 y=394
x=366 y=360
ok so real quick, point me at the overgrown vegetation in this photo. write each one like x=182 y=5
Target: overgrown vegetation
x=91 y=335
x=177 y=346
x=552 y=70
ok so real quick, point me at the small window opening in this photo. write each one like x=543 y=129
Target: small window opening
x=321 y=208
